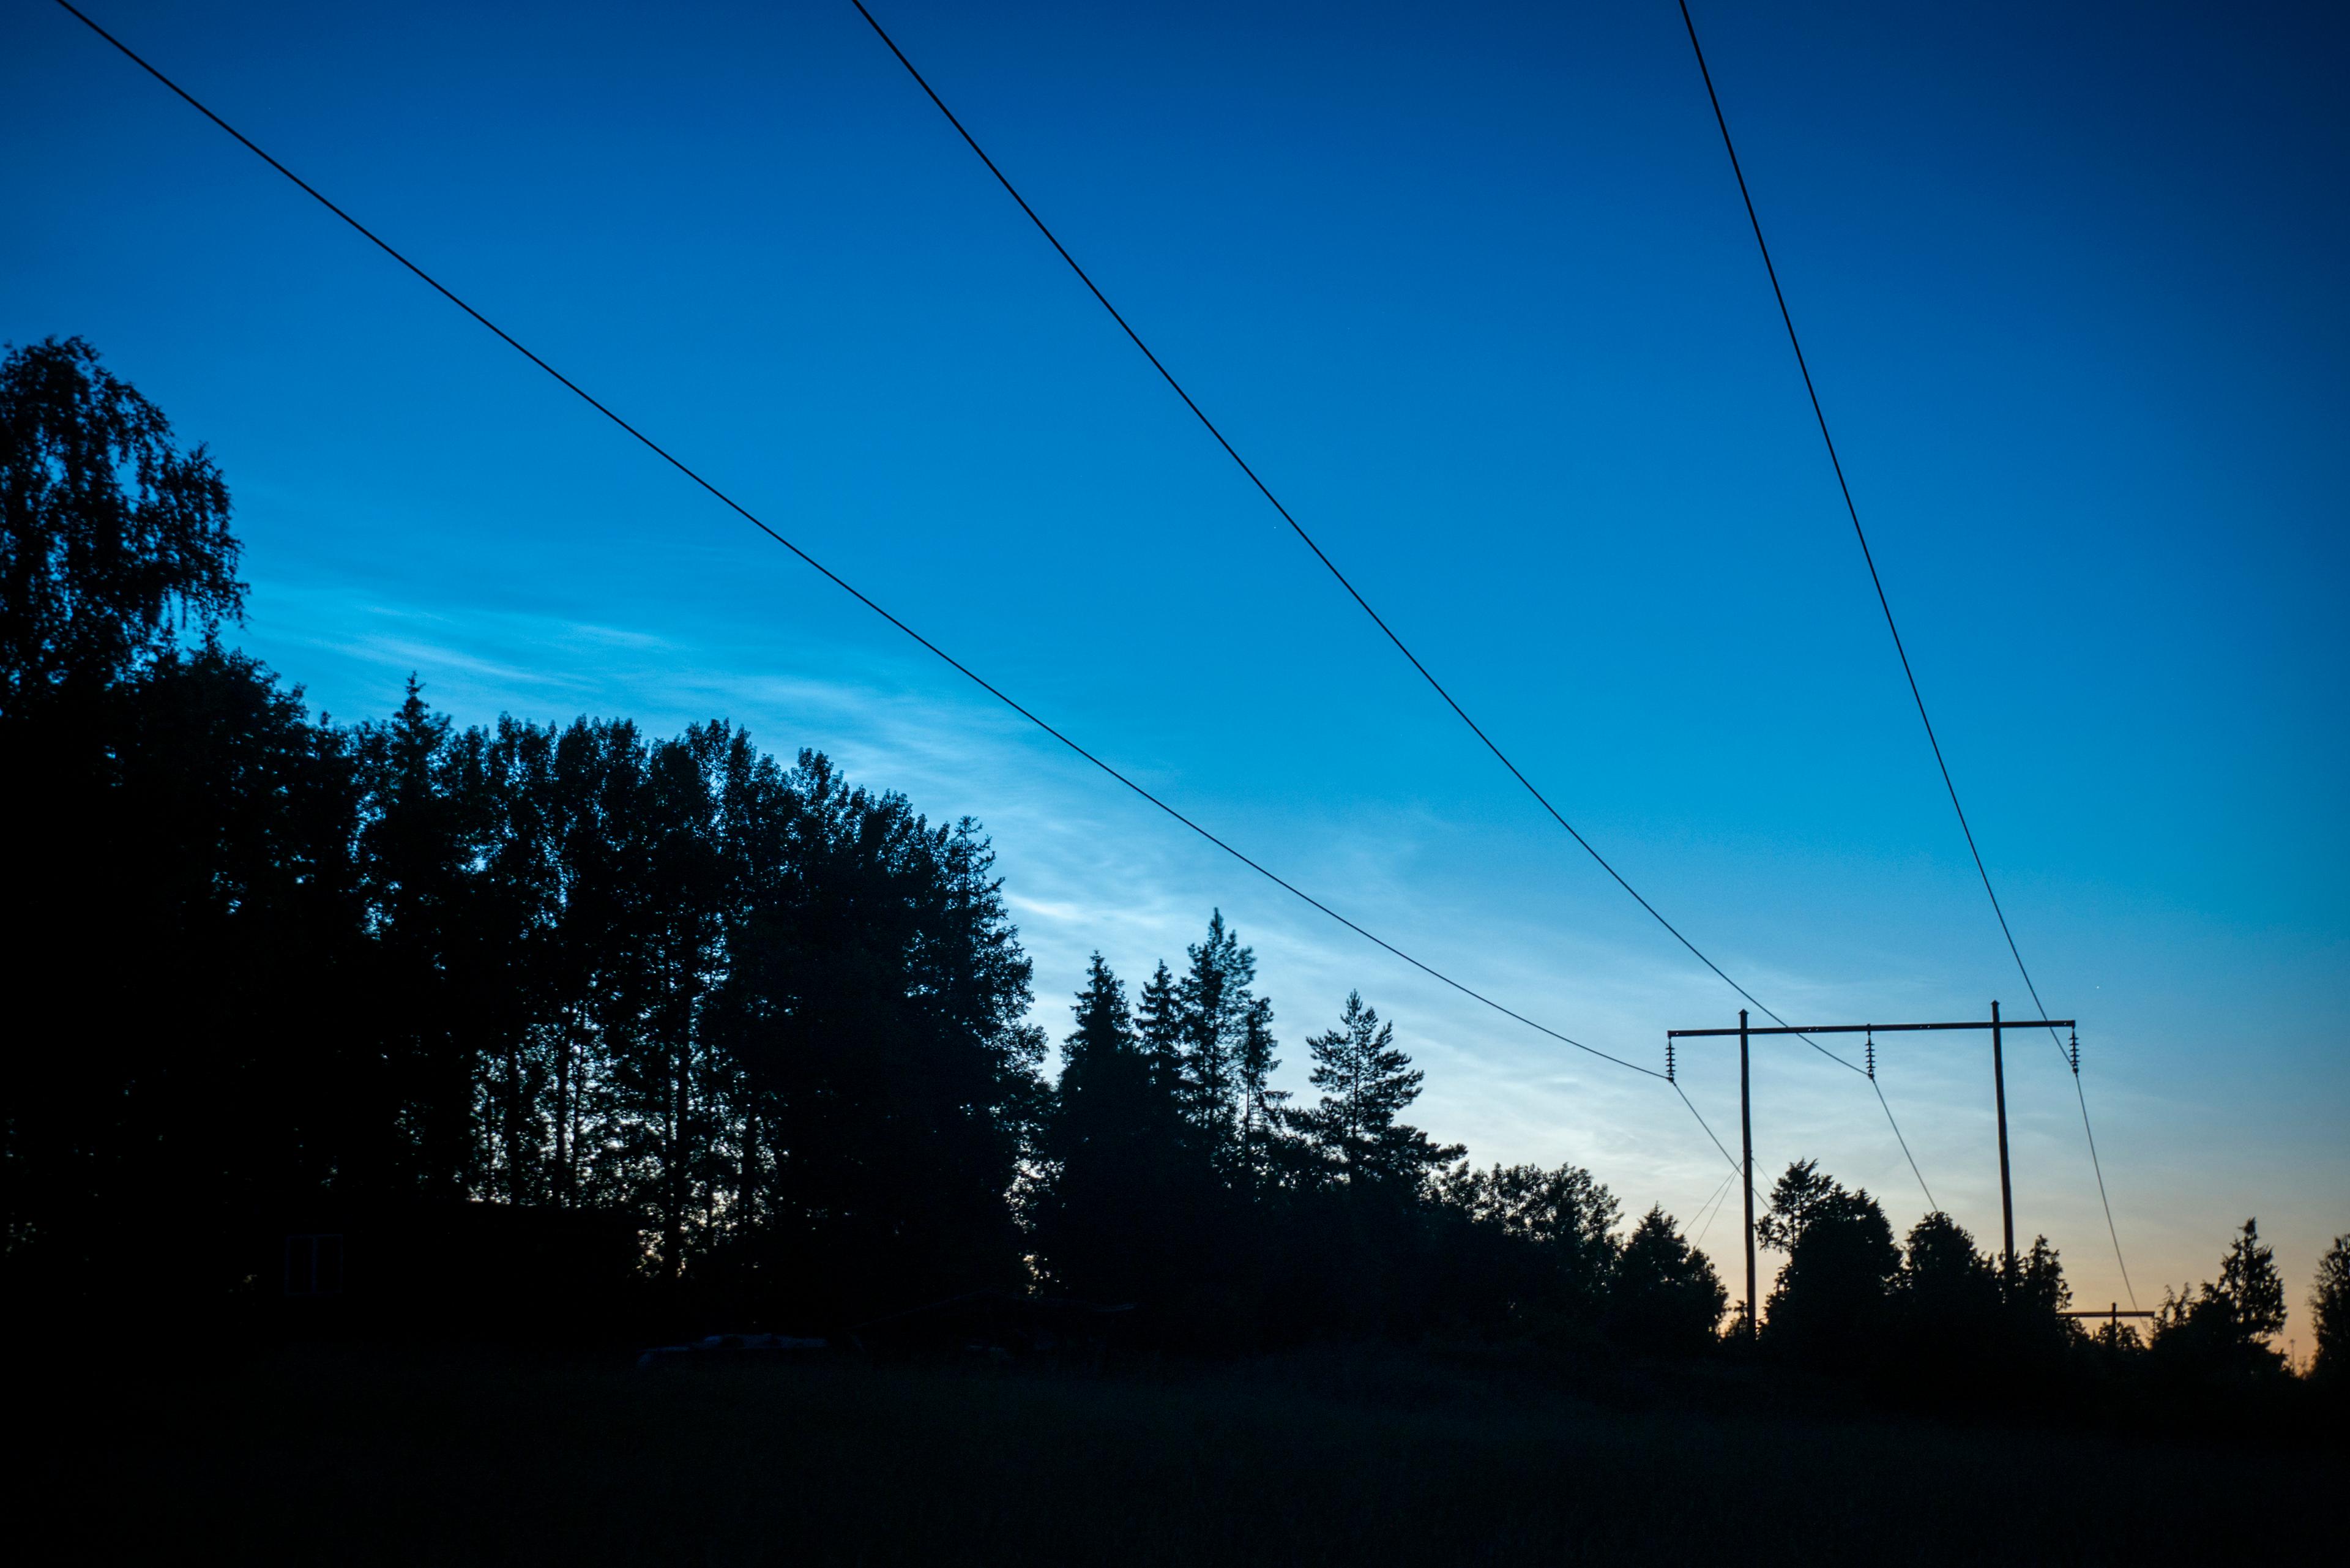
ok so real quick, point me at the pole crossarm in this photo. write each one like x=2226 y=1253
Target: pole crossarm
x=1996 y=1026
x=1880 y=1028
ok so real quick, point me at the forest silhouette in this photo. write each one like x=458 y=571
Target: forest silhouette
x=274 y=973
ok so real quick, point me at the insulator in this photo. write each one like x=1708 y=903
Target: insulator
x=2076 y=1052
x=1668 y=1059
x=1872 y=1058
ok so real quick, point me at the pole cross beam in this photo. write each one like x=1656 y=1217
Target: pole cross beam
x=1883 y=1029
x=2112 y=1315
x=1997 y=1027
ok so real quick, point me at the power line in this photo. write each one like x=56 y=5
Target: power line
x=1905 y=1143
x=1320 y=555
x=1883 y=603
x=1711 y=1209
x=841 y=582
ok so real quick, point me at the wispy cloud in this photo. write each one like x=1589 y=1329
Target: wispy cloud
x=1088 y=868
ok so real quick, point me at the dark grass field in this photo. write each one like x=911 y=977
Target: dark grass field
x=327 y=1455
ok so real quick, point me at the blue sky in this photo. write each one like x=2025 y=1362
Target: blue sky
x=1472 y=287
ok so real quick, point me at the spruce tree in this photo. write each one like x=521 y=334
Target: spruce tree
x=2250 y=1286
x=1215 y=996
x=1158 y=1027
x=2329 y=1309
x=1112 y=1221
x=1262 y=1112
x=416 y=849
x=1101 y=1057
x=2224 y=1329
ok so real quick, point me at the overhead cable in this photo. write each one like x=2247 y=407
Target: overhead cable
x=1320 y=555
x=1885 y=604
x=837 y=580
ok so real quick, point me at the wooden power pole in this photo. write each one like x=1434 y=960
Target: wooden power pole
x=1746 y=1148
x=2006 y=1191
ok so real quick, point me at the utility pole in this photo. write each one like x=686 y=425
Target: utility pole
x=1995 y=1023
x=2006 y=1192
x=1746 y=1146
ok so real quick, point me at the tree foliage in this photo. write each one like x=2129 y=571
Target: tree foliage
x=1830 y=1302
x=2329 y=1311
x=1665 y=1297
x=2223 y=1327
x=113 y=541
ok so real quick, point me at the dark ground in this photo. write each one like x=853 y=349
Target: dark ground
x=339 y=1455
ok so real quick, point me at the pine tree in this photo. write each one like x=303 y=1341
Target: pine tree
x=1366 y=1081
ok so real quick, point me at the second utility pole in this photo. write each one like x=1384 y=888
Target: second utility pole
x=1746 y=1146
x=2006 y=1192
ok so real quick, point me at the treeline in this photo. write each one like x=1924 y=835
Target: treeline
x=278 y=966
x=263 y=962
x=1934 y=1319
x=775 y=1022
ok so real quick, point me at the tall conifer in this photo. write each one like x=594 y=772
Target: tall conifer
x=1366 y=1081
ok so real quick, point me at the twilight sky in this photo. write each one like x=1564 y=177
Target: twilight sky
x=1472 y=287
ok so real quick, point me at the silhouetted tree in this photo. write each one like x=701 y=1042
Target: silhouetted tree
x=876 y=995
x=186 y=925
x=1946 y=1285
x=1828 y=1306
x=1263 y=1129
x=417 y=845
x=1946 y=1318
x=2222 y=1328
x=1159 y=1028
x=2250 y=1285
x=1664 y=1297
x=1366 y=1082
x=1214 y=999
x=1799 y=1190
x=113 y=541
x=664 y=1106
x=1114 y=1220
x=2329 y=1311
x=2035 y=1327
x=1527 y=1251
